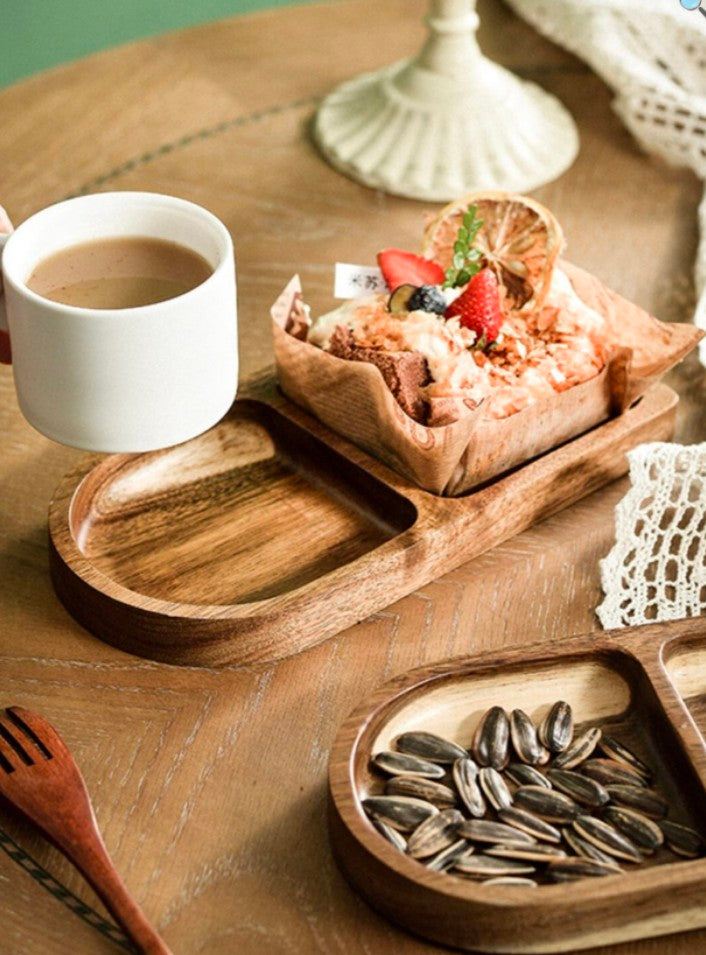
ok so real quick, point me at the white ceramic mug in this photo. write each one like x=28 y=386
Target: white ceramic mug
x=130 y=379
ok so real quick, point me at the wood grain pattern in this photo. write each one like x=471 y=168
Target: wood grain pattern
x=39 y=778
x=686 y=665
x=210 y=784
x=268 y=534
x=616 y=681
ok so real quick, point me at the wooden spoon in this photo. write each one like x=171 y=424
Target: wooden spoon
x=38 y=776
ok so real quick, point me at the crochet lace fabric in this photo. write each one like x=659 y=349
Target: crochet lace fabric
x=654 y=60
x=657 y=567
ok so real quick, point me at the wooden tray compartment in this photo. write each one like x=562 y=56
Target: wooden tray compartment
x=685 y=662
x=616 y=681
x=269 y=533
x=248 y=496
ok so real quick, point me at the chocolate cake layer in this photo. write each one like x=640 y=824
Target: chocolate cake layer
x=404 y=372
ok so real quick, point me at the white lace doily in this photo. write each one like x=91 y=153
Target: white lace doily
x=653 y=56
x=657 y=567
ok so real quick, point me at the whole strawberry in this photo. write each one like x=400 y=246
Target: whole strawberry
x=478 y=307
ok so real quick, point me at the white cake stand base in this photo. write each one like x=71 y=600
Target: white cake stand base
x=447 y=122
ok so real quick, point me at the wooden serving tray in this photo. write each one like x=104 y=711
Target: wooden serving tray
x=647 y=683
x=269 y=533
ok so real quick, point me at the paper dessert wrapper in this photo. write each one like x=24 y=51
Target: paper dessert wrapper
x=352 y=398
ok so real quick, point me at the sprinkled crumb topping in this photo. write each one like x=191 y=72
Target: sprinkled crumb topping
x=536 y=353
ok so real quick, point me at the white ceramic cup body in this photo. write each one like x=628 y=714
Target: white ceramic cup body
x=132 y=379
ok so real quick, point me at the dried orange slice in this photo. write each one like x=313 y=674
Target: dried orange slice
x=520 y=240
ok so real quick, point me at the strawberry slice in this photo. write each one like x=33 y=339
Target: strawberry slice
x=402 y=268
x=478 y=307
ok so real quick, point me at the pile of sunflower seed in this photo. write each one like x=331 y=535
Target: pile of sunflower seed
x=524 y=805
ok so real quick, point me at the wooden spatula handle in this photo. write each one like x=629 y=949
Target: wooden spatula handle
x=92 y=859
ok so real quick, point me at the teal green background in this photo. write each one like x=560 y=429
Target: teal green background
x=38 y=34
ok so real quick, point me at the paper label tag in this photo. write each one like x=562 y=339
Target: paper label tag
x=352 y=281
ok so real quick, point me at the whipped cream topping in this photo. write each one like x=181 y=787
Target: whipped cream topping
x=324 y=326
x=446 y=345
x=548 y=350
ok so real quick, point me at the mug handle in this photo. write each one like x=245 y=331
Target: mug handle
x=5 y=350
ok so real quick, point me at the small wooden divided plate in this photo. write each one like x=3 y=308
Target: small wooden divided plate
x=269 y=533
x=648 y=684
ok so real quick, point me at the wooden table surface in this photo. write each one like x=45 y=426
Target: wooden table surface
x=210 y=785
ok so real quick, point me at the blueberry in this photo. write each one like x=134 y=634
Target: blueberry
x=427 y=298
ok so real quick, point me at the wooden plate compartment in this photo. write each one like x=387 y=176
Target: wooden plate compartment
x=685 y=661
x=269 y=533
x=251 y=494
x=616 y=681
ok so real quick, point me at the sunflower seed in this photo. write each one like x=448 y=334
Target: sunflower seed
x=645 y=833
x=568 y=870
x=533 y=853
x=580 y=749
x=419 y=788
x=401 y=812
x=547 y=804
x=557 y=728
x=524 y=739
x=616 y=750
x=607 y=838
x=644 y=800
x=523 y=775
x=581 y=788
x=434 y=834
x=530 y=823
x=465 y=776
x=430 y=746
x=609 y=772
x=394 y=837
x=607 y=810
x=586 y=849
x=483 y=830
x=402 y=764
x=681 y=839
x=445 y=859
x=511 y=880
x=478 y=866
x=491 y=738
x=494 y=787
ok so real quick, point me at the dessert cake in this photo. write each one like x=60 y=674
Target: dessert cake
x=484 y=351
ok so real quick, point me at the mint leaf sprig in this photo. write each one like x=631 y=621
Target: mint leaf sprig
x=466 y=260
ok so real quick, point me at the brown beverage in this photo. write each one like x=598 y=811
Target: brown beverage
x=123 y=272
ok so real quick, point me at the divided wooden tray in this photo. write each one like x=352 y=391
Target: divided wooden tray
x=269 y=533
x=647 y=683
